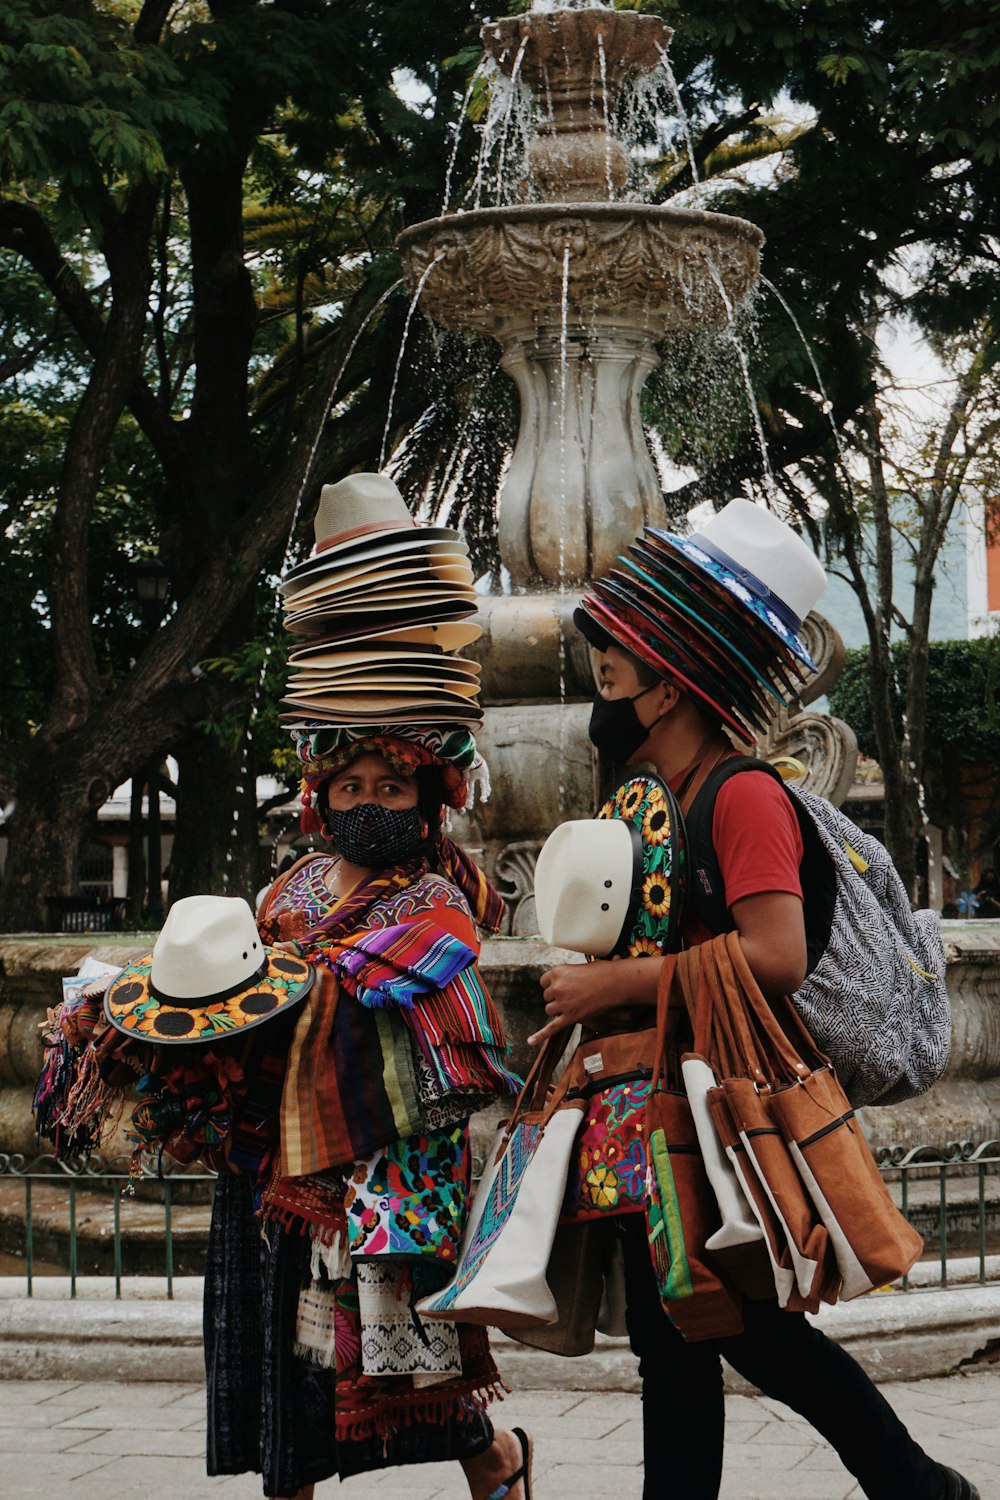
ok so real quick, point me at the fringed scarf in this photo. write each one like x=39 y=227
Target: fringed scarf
x=350 y=1084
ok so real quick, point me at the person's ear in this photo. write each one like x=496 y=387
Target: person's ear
x=668 y=697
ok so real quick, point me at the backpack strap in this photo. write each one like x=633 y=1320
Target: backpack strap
x=706 y=888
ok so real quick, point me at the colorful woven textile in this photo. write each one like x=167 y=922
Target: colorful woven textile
x=392 y=965
x=351 y=1083
x=369 y=1405
x=393 y=1341
x=323 y=752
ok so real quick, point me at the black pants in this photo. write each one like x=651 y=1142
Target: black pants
x=783 y=1355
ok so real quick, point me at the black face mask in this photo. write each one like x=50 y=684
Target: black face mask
x=615 y=727
x=373 y=836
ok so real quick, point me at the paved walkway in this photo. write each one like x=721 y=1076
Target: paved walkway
x=130 y=1442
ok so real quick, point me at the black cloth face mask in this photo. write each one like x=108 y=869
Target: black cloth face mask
x=373 y=836
x=615 y=727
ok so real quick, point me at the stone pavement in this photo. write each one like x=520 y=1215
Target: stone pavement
x=64 y=1440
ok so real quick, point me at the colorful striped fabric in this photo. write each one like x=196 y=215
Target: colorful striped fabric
x=384 y=986
x=392 y=965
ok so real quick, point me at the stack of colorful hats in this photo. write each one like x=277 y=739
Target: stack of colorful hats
x=719 y=612
x=385 y=606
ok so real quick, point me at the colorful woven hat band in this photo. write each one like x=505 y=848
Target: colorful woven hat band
x=324 y=752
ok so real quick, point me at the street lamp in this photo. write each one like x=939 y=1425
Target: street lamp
x=151 y=585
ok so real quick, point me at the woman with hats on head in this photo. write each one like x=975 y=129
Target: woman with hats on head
x=365 y=1188
x=355 y=1146
x=697 y=635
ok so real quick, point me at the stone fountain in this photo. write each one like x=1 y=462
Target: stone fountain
x=577 y=284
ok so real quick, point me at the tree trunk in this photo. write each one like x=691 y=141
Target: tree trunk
x=215 y=836
x=46 y=831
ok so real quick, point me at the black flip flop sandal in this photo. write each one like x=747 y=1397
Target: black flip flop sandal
x=524 y=1472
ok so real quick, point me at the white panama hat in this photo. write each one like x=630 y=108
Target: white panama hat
x=209 y=975
x=586 y=882
x=764 y=554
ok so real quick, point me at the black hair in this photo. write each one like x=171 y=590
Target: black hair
x=648 y=677
x=430 y=805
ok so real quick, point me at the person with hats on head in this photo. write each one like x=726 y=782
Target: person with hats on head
x=697 y=636
x=355 y=1152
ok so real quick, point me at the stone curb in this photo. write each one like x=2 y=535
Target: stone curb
x=894 y=1335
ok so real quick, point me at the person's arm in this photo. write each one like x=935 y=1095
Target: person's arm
x=773 y=938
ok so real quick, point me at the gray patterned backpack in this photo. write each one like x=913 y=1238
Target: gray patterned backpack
x=874 y=996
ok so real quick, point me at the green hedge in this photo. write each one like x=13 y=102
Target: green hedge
x=962 y=711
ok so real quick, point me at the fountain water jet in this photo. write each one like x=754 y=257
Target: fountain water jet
x=637 y=271
x=577 y=283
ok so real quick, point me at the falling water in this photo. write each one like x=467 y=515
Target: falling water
x=286 y=563
x=479 y=73
x=682 y=113
x=514 y=91
x=402 y=350
x=741 y=354
x=607 y=117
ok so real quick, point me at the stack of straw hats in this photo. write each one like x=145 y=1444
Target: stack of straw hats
x=719 y=612
x=382 y=605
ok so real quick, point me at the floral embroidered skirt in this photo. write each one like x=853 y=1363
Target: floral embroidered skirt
x=272 y=1412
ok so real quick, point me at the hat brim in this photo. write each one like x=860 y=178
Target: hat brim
x=308 y=717
x=133 y=1008
x=623 y=635
x=356 y=627
x=392 y=599
x=445 y=636
x=688 y=549
x=683 y=648
x=654 y=922
x=683 y=581
x=451 y=568
x=716 y=639
x=375 y=544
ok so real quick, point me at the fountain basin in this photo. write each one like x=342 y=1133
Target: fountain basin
x=502 y=272
x=553 y=51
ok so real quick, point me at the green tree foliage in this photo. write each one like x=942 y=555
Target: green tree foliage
x=962 y=712
x=962 y=707
x=199 y=200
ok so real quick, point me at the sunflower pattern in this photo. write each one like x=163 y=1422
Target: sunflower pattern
x=659 y=912
x=131 y=1005
x=608 y=1171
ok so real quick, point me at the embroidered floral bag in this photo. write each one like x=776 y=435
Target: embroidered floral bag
x=607 y=1175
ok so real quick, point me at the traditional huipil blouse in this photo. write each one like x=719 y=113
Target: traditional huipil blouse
x=397 y=1044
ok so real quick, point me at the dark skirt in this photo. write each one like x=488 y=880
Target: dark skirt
x=269 y=1411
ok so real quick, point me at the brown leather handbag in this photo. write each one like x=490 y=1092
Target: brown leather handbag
x=801 y=1137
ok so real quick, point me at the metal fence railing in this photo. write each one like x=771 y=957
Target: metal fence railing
x=951 y=1196
x=68 y=1218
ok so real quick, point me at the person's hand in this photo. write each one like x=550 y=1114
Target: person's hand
x=576 y=993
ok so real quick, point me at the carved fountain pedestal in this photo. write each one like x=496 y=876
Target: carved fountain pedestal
x=577 y=285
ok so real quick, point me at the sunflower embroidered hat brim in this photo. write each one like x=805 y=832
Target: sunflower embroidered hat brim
x=615 y=886
x=209 y=975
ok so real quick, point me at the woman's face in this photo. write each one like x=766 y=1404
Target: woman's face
x=370 y=779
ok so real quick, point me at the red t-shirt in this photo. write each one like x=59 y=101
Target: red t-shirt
x=758 y=843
